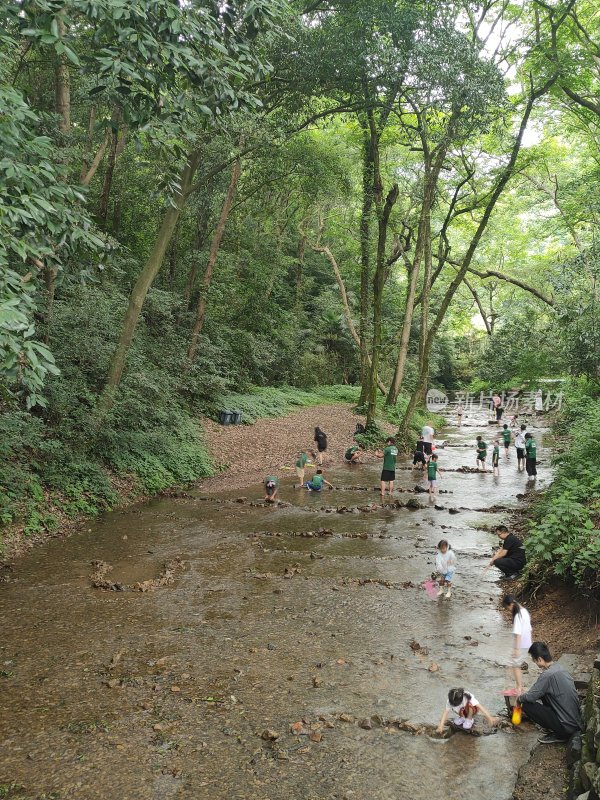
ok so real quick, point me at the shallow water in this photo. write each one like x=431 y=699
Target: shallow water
x=202 y=667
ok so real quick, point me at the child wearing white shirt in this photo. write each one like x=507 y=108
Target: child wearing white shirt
x=465 y=706
x=522 y=637
x=445 y=564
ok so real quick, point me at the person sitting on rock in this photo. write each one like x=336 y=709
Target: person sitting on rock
x=552 y=701
x=465 y=707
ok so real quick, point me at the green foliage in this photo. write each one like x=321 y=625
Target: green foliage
x=276 y=402
x=564 y=539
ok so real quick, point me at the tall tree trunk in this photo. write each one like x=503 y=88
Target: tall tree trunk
x=300 y=252
x=365 y=267
x=426 y=291
x=50 y=274
x=89 y=141
x=346 y=304
x=199 y=239
x=110 y=168
x=143 y=283
x=212 y=256
x=418 y=394
x=62 y=83
x=381 y=273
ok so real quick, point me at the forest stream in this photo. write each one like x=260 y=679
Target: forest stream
x=271 y=657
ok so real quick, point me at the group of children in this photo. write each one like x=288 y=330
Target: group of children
x=525 y=445
x=462 y=703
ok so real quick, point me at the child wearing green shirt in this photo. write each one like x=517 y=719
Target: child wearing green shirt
x=481 y=453
x=530 y=456
x=301 y=464
x=506 y=438
x=496 y=458
x=318 y=482
x=432 y=471
x=388 y=473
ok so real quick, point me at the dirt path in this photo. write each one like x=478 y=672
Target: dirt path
x=252 y=451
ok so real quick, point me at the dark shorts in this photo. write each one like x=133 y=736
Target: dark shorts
x=388 y=475
x=520 y=453
x=427 y=448
x=506 y=445
x=321 y=447
x=270 y=489
x=419 y=458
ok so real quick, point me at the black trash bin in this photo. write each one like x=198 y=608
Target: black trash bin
x=225 y=417
x=236 y=417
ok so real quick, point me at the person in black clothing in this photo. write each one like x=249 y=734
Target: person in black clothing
x=419 y=459
x=321 y=440
x=510 y=558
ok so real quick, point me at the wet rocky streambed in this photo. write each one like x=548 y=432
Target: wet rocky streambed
x=231 y=650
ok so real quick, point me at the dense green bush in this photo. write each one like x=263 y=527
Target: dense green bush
x=564 y=539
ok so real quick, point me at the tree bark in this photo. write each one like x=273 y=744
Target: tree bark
x=212 y=257
x=347 y=310
x=484 y=316
x=365 y=267
x=505 y=176
x=300 y=269
x=142 y=286
x=110 y=167
x=62 y=83
x=199 y=239
x=381 y=274
x=433 y=162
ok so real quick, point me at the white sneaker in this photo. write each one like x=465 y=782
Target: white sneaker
x=459 y=722
x=441 y=592
x=449 y=593
x=468 y=724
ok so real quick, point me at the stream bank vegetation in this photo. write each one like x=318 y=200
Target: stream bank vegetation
x=378 y=196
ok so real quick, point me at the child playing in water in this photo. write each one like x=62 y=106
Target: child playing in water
x=530 y=456
x=318 y=482
x=352 y=455
x=301 y=464
x=481 y=453
x=271 y=488
x=506 y=438
x=496 y=458
x=419 y=459
x=445 y=564
x=432 y=470
x=465 y=706
x=388 y=473
x=521 y=638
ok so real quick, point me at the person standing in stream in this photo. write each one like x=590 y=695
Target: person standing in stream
x=506 y=439
x=520 y=447
x=521 y=638
x=321 y=440
x=481 y=453
x=530 y=456
x=388 y=473
x=301 y=465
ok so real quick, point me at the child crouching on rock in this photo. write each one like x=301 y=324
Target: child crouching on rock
x=464 y=705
